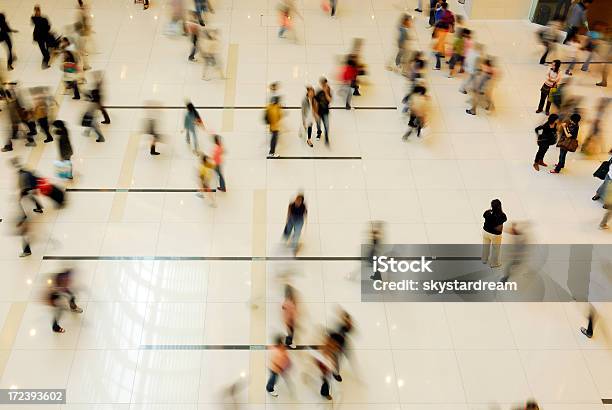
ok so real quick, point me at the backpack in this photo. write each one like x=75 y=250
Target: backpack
x=266 y=116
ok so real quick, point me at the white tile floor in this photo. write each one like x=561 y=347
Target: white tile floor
x=420 y=356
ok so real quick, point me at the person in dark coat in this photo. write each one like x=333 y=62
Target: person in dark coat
x=42 y=35
x=5 y=36
x=63 y=143
x=97 y=97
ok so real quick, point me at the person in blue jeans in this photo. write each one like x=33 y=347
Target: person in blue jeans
x=296 y=214
x=192 y=118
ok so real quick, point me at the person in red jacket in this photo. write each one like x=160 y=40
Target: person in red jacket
x=349 y=78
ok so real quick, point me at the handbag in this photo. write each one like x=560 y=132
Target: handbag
x=602 y=170
x=568 y=144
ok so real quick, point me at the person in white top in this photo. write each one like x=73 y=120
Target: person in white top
x=552 y=79
x=472 y=61
x=309 y=112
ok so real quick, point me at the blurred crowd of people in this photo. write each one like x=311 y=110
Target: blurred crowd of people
x=455 y=49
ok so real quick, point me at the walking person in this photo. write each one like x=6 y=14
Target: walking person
x=439 y=43
x=40 y=114
x=568 y=141
x=23 y=230
x=89 y=122
x=494 y=219
x=287 y=10
x=5 y=36
x=333 y=6
x=296 y=216
x=64 y=145
x=576 y=18
x=273 y=115
x=192 y=28
x=279 y=363
x=210 y=53
x=594 y=143
x=97 y=96
x=340 y=337
x=191 y=121
x=326 y=361
x=603 y=172
x=205 y=173
x=605 y=192
x=323 y=98
x=549 y=37
x=62 y=298
x=218 y=152
x=553 y=77
x=419 y=108
x=290 y=313
x=402 y=40
x=482 y=87
x=27 y=182
x=150 y=128
x=546 y=136
x=588 y=331
x=309 y=113
x=70 y=69
x=42 y=35
x=472 y=65
x=349 y=79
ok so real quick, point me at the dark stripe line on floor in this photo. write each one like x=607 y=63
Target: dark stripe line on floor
x=220 y=107
x=134 y=190
x=606 y=401
x=581 y=62
x=312 y=157
x=201 y=258
x=249 y=258
x=221 y=347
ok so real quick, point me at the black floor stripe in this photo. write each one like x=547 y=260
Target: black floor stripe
x=134 y=190
x=582 y=62
x=221 y=107
x=244 y=258
x=222 y=347
x=606 y=401
x=200 y=258
x=313 y=157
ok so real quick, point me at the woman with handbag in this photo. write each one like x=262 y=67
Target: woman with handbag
x=552 y=79
x=568 y=141
x=547 y=136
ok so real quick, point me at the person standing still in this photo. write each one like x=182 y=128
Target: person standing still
x=309 y=113
x=547 y=136
x=568 y=141
x=296 y=216
x=553 y=77
x=42 y=35
x=494 y=219
x=324 y=98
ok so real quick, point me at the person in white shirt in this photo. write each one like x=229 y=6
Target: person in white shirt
x=552 y=79
x=472 y=61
